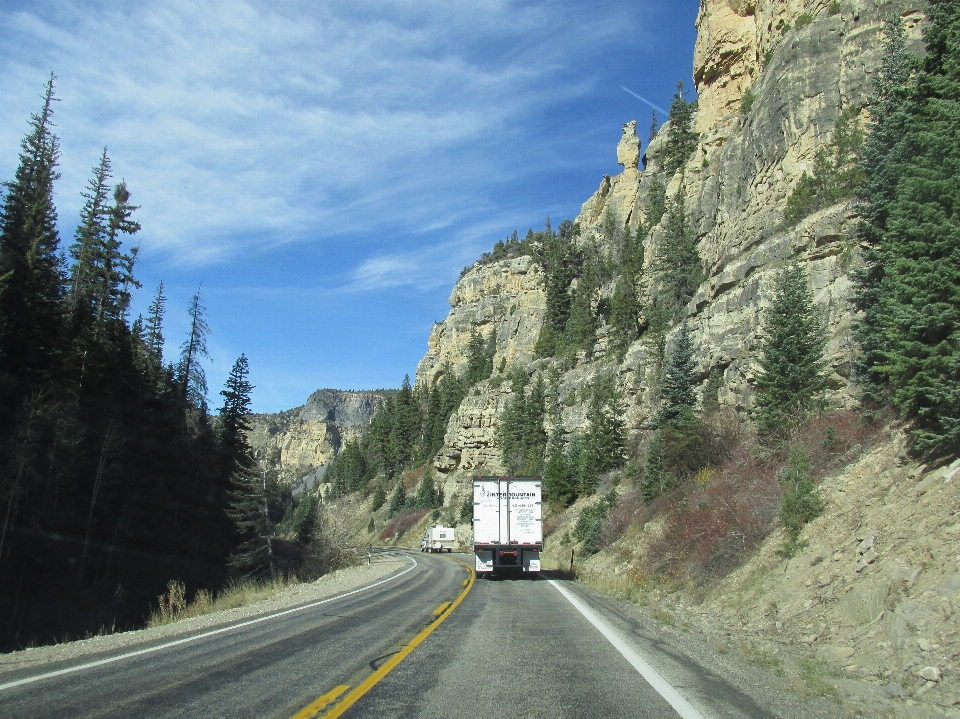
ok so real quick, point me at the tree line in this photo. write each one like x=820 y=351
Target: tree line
x=114 y=476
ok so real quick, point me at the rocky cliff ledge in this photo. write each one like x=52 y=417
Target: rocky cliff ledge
x=302 y=440
x=803 y=63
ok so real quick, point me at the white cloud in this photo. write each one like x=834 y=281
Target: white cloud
x=239 y=123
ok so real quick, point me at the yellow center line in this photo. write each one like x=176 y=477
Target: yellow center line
x=442 y=608
x=311 y=710
x=371 y=681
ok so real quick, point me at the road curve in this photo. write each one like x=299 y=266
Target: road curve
x=270 y=668
x=503 y=648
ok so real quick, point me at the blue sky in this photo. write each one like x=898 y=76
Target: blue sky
x=327 y=169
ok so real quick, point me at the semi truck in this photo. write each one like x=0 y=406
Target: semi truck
x=507 y=525
x=438 y=539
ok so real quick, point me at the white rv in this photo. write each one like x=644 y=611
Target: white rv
x=507 y=525
x=438 y=539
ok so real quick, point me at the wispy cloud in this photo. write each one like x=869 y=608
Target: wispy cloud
x=241 y=122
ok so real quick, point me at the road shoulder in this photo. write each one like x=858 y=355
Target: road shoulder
x=343 y=580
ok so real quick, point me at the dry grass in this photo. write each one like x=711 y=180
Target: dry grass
x=174 y=606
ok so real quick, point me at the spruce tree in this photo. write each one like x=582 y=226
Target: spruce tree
x=678 y=263
x=888 y=114
x=31 y=274
x=605 y=437
x=234 y=423
x=911 y=334
x=154 y=325
x=398 y=501
x=252 y=495
x=791 y=376
x=190 y=374
x=677 y=388
x=682 y=139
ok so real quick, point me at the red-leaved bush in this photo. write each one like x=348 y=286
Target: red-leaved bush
x=712 y=527
x=402 y=523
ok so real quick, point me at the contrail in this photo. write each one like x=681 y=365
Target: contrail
x=643 y=99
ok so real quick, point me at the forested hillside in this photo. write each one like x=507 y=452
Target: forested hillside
x=115 y=479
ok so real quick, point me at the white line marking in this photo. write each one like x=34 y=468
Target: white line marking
x=150 y=650
x=663 y=687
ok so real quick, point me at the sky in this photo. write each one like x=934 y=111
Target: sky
x=322 y=171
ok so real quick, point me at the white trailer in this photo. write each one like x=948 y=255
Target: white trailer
x=507 y=525
x=438 y=539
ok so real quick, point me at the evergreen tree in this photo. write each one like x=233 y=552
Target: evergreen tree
x=427 y=497
x=682 y=139
x=154 y=324
x=305 y=517
x=655 y=477
x=520 y=433
x=678 y=261
x=561 y=262
x=252 y=494
x=398 y=501
x=480 y=357
x=654 y=124
x=791 y=375
x=190 y=374
x=581 y=327
x=87 y=247
x=910 y=289
x=888 y=115
x=233 y=421
x=606 y=435
x=677 y=388
x=379 y=497
x=31 y=275
x=656 y=203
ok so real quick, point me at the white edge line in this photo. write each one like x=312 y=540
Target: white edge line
x=653 y=677
x=150 y=650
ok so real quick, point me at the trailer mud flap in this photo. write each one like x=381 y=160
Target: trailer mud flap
x=484 y=561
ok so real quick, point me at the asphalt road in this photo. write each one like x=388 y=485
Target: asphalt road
x=510 y=648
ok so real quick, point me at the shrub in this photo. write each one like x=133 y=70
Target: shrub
x=590 y=522
x=834 y=8
x=801 y=502
x=747 y=102
x=804 y=20
x=402 y=524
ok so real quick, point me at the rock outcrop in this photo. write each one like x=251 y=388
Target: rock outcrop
x=803 y=62
x=303 y=440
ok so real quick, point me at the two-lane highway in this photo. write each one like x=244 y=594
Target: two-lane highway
x=267 y=668
x=428 y=642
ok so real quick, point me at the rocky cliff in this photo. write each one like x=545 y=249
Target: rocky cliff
x=302 y=440
x=802 y=63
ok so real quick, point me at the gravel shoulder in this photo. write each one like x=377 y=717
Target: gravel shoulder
x=338 y=582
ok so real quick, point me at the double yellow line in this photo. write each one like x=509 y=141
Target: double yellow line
x=442 y=612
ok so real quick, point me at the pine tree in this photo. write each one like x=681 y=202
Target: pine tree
x=427 y=497
x=154 y=324
x=234 y=423
x=31 y=275
x=560 y=261
x=682 y=139
x=656 y=479
x=888 y=115
x=677 y=389
x=87 y=248
x=190 y=374
x=678 y=261
x=252 y=494
x=580 y=331
x=656 y=203
x=654 y=124
x=398 y=501
x=606 y=436
x=791 y=375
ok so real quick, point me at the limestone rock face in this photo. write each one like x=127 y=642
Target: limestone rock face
x=505 y=298
x=736 y=186
x=303 y=440
x=628 y=151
